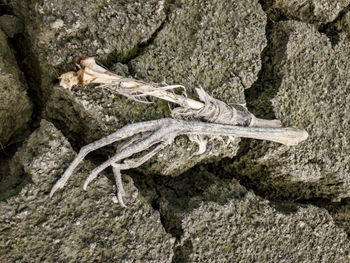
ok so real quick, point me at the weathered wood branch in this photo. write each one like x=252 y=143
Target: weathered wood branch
x=222 y=120
x=208 y=109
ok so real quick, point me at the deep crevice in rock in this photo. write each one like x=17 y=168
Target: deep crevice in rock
x=13 y=179
x=182 y=252
x=28 y=64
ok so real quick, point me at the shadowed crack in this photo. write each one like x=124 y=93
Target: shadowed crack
x=12 y=176
x=331 y=29
x=175 y=197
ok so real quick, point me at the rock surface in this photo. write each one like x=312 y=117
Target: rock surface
x=251 y=230
x=204 y=45
x=315 y=12
x=297 y=208
x=15 y=106
x=309 y=82
x=218 y=220
x=75 y=226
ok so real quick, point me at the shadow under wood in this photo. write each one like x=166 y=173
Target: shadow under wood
x=12 y=178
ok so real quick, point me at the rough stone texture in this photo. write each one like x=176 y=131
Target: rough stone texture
x=218 y=220
x=210 y=52
x=216 y=45
x=15 y=106
x=12 y=177
x=340 y=213
x=251 y=230
x=204 y=44
x=341 y=25
x=75 y=226
x=309 y=82
x=11 y=25
x=56 y=31
x=315 y=12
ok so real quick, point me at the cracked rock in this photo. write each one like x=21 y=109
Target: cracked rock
x=15 y=105
x=317 y=12
x=75 y=226
x=308 y=80
x=215 y=219
x=252 y=230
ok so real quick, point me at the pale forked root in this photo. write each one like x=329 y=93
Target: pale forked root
x=163 y=132
x=157 y=134
x=208 y=109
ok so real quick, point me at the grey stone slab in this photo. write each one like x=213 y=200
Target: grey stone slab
x=253 y=230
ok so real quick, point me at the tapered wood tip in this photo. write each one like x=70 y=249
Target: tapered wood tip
x=295 y=137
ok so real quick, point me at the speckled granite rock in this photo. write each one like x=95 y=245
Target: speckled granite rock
x=195 y=48
x=15 y=106
x=308 y=80
x=75 y=226
x=315 y=12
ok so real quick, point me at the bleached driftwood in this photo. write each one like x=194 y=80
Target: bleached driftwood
x=222 y=120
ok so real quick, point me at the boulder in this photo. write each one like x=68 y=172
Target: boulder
x=308 y=81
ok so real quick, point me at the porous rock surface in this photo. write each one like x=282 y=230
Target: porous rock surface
x=308 y=80
x=75 y=226
x=218 y=220
x=202 y=215
x=15 y=106
x=315 y=12
x=252 y=230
